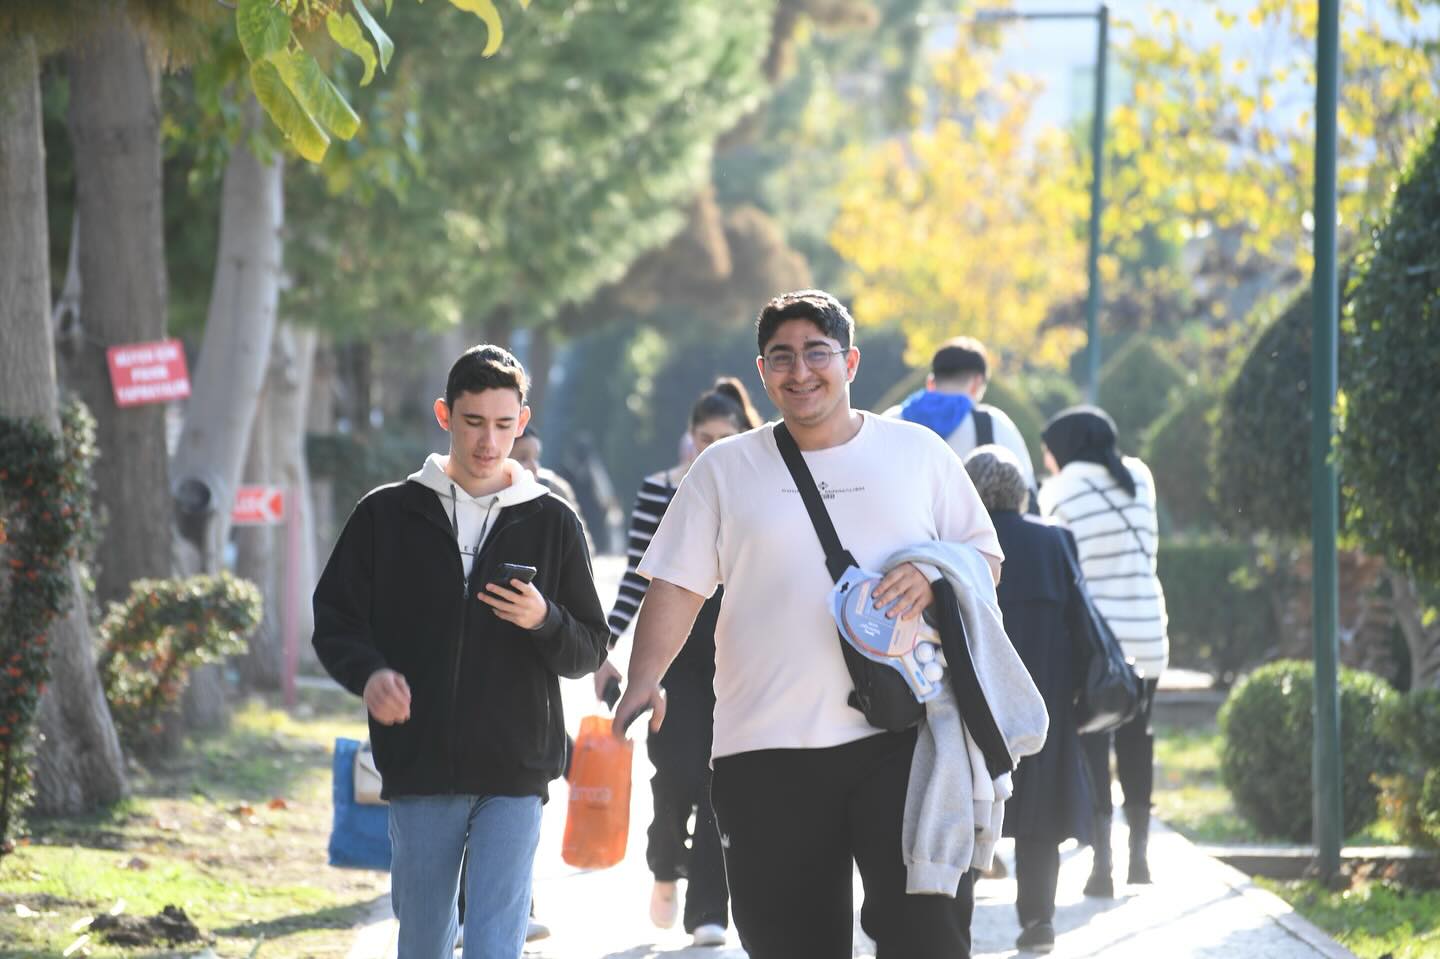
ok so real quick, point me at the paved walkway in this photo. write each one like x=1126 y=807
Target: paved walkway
x=1198 y=908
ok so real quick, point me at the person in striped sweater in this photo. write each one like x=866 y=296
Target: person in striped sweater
x=680 y=751
x=1108 y=503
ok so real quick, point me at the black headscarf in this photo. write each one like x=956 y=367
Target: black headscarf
x=1087 y=434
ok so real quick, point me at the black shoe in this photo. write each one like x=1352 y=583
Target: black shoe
x=1139 y=821
x=1038 y=937
x=1100 y=885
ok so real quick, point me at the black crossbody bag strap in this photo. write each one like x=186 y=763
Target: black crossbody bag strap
x=837 y=557
x=984 y=427
x=1123 y=518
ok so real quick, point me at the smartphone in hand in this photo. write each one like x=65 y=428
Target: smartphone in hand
x=508 y=571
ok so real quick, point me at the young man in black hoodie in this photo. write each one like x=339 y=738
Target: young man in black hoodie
x=458 y=669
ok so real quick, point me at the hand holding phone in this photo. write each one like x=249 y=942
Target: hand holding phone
x=508 y=571
x=520 y=604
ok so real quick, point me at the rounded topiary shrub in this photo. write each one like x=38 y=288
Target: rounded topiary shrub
x=1003 y=395
x=1136 y=386
x=1177 y=450
x=1390 y=450
x=1050 y=392
x=1261 y=462
x=1267 y=738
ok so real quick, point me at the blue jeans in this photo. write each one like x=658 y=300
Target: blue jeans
x=429 y=836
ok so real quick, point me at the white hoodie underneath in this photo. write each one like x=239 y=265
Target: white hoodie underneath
x=473 y=517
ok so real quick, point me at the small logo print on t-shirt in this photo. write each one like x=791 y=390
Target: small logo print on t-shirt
x=826 y=490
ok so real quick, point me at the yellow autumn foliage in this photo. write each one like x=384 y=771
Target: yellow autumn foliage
x=965 y=227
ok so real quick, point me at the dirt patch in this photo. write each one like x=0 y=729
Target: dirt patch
x=170 y=926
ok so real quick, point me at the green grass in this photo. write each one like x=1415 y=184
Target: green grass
x=1192 y=799
x=200 y=832
x=1189 y=795
x=1375 y=920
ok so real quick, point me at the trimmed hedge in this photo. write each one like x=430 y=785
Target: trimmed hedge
x=1390 y=450
x=1177 y=450
x=1218 y=624
x=1136 y=387
x=1267 y=734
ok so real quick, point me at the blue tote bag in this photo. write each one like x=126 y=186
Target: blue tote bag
x=360 y=832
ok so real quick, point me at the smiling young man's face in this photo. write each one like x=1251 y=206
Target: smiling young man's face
x=805 y=396
x=482 y=428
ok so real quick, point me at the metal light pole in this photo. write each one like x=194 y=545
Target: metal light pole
x=1101 y=16
x=1324 y=485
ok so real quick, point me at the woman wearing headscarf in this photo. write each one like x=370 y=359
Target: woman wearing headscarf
x=1108 y=502
x=1043 y=608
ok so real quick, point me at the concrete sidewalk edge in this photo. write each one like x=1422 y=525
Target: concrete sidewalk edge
x=1277 y=909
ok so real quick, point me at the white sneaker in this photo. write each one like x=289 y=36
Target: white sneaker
x=664 y=904
x=536 y=930
x=710 y=934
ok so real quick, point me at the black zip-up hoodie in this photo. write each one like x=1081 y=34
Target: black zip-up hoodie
x=485 y=714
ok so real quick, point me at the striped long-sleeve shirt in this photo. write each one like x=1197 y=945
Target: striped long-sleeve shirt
x=1118 y=538
x=654 y=498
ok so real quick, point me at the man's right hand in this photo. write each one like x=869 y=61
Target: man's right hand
x=387 y=697
x=634 y=702
x=603 y=676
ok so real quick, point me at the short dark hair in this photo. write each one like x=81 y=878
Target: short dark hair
x=486 y=367
x=962 y=356
x=530 y=434
x=817 y=306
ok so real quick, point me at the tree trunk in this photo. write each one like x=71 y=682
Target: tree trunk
x=257 y=556
x=115 y=126
x=1423 y=642
x=500 y=327
x=320 y=421
x=279 y=559
x=542 y=357
x=78 y=764
x=239 y=327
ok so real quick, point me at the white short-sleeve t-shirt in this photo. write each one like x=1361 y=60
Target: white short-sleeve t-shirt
x=738 y=520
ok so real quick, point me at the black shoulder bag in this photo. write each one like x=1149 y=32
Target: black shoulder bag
x=880 y=693
x=1110 y=691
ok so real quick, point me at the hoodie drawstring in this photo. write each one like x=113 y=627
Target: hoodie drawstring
x=455 y=519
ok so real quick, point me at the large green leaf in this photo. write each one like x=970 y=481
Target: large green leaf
x=345 y=30
x=382 y=39
x=263 y=27
x=298 y=126
x=315 y=93
x=485 y=10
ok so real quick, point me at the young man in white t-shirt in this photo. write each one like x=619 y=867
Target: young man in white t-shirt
x=803 y=786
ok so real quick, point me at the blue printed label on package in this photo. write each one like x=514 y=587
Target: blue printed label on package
x=910 y=646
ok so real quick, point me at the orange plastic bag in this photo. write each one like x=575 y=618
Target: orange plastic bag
x=597 y=822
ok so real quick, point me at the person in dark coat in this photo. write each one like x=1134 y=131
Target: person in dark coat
x=1040 y=601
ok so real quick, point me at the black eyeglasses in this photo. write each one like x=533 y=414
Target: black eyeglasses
x=783 y=361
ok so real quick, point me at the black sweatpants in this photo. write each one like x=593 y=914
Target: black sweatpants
x=793 y=820
x=1134 y=758
x=680 y=752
